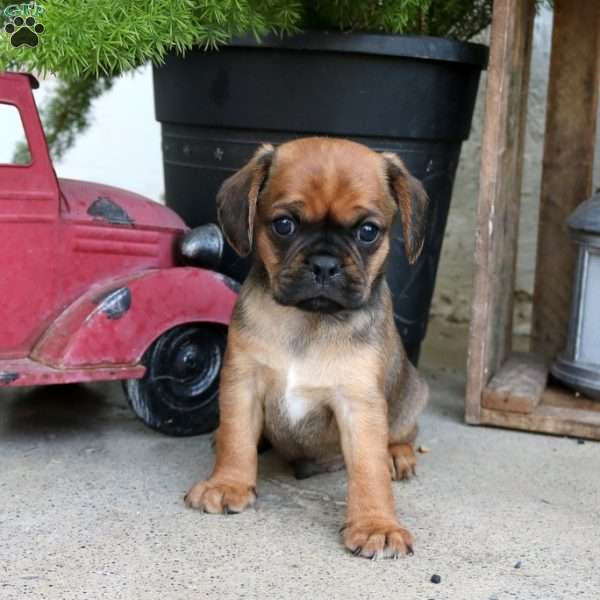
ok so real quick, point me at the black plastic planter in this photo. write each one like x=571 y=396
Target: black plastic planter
x=410 y=95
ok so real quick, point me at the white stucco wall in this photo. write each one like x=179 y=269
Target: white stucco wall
x=122 y=146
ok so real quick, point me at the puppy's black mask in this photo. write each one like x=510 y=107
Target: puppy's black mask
x=323 y=268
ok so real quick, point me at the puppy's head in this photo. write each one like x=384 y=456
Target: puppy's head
x=318 y=212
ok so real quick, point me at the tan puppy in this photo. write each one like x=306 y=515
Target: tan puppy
x=314 y=361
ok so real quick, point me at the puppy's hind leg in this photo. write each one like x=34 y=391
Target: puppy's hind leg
x=403 y=461
x=409 y=397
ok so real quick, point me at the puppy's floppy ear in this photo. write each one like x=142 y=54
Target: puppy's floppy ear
x=237 y=199
x=412 y=201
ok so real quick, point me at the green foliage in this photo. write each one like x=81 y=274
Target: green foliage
x=93 y=38
x=460 y=19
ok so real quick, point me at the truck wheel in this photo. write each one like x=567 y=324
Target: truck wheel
x=178 y=395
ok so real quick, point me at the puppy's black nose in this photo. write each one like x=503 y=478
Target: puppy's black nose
x=324 y=267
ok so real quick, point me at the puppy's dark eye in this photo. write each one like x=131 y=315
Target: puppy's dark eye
x=284 y=226
x=367 y=233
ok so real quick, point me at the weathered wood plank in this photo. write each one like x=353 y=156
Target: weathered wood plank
x=559 y=413
x=568 y=163
x=499 y=196
x=518 y=386
x=561 y=397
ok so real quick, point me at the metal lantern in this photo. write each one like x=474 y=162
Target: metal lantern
x=579 y=365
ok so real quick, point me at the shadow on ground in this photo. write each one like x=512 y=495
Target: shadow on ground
x=61 y=410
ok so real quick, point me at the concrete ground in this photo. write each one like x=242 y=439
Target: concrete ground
x=91 y=507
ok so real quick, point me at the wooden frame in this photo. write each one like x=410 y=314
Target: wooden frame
x=503 y=388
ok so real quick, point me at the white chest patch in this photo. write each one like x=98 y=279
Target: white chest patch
x=294 y=404
x=296 y=407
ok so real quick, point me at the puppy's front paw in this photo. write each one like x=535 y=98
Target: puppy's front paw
x=403 y=462
x=219 y=497
x=377 y=538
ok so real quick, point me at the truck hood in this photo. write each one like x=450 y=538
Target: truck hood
x=86 y=201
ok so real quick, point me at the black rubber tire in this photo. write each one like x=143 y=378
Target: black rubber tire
x=178 y=395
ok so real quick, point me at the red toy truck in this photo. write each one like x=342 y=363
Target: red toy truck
x=94 y=286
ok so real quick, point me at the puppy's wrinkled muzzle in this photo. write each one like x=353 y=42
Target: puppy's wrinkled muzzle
x=325 y=275
x=320 y=286
x=305 y=292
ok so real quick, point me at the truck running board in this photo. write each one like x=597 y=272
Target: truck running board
x=24 y=371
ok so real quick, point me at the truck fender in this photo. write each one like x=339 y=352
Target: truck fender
x=116 y=321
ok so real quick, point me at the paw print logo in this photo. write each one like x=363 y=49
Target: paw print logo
x=24 y=32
